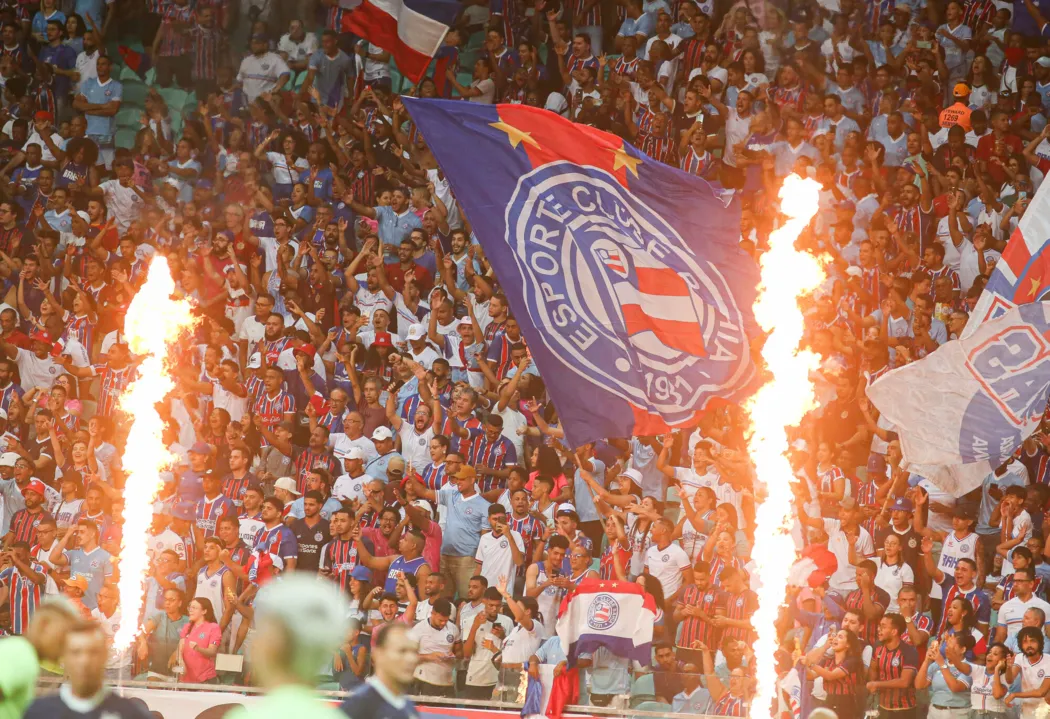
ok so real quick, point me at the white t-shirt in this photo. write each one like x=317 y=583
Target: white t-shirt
x=432 y=641
x=110 y=625
x=496 y=557
x=347 y=487
x=1021 y=527
x=36 y=372
x=952 y=551
x=123 y=202
x=488 y=91
x=845 y=577
x=691 y=481
x=1032 y=676
x=891 y=578
x=157 y=543
x=260 y=74
x=415 y=446
x=512 y=420
x=481 y=672
x=297 y=51
x=666 y=565
x=87 y=66
x=1012 y=612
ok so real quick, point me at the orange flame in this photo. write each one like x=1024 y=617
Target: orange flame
x=787 y=275
x=153 y=322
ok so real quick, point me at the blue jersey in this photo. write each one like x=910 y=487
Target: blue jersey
x=111 y=707
x=280 y=541
x=101 y=128
x=399 y=567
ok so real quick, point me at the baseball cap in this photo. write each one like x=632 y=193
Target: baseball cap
x=307 y=349
x=465 y=322
x=382 y=339
x=361 y=573
x=35 y=485
x=632 y=474
x=396 y=464
x=902 y=504
x=854 y=271
x=465 y=472
x=1043 y=61
x=354 y=453
x=78 y=581
x=416 y=332
x=182 y=510
x=566 y=507
x=424 y=505
x=8 y=459
x=84 y=216
x=200 y=448
x=40 y=336
x=961 y=89
x=255 y=361
x=288 y=484
x=382 y=433
x=43 y=115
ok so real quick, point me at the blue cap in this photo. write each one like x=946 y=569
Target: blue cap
x=182 y=510
x=902 y=504
x=361 y=573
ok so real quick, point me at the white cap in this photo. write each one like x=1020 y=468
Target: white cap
x=424 y=505
x=382 y=433
x=8 y=459
x=354 y=453
x=566 y=507
x=288 y=484
x=84 y=216
x=314 y=614
x=416 y=332
x=465 y=322
x=255 y=361
x=633 y=474
x=854 y=271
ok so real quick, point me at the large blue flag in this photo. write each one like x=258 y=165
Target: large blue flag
x=625 y=274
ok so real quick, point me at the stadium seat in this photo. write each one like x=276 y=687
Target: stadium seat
x=174 y=97
x=642 y=690
x=651 y=706
x=125 y=138
x=129 y=117
x=135 y=95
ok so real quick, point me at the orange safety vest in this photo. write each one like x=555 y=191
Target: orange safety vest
x=957 y=114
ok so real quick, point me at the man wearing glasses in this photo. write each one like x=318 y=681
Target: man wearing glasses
x=1011 y=614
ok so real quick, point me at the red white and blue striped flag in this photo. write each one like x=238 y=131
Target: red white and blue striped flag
x=410 y=30
x=616 y=615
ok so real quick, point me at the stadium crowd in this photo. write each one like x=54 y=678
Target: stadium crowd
x=358 y=401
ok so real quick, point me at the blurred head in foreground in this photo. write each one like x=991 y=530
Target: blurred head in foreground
x=300 y=622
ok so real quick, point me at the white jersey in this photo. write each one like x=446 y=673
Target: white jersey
x=415 y=446
x=210 y=587
x=347 y=487
x=548 y=600
x=1032 y=676
x=66 y=514
x=435 y=641
x=157 y=543
x=249 y=529
x=953 y=550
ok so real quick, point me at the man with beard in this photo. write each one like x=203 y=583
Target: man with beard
x=892 y=670
x=1034 y=668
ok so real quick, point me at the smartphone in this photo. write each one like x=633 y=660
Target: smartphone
x=924 y=44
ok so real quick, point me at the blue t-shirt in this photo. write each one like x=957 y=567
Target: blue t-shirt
x=464 y=522
x=323 y=184
x=100 y=128
x=83 y=8
x=40 y=21
x=64 y=58
x=94 y=567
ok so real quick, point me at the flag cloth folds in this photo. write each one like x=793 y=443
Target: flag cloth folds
x=616 y=615
x=625 y=275
x=410 y=30
x=963 y=410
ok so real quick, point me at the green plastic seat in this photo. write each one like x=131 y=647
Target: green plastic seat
x=125 y=138
x=134 y=95
x=129 y=117
x=174 y=98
